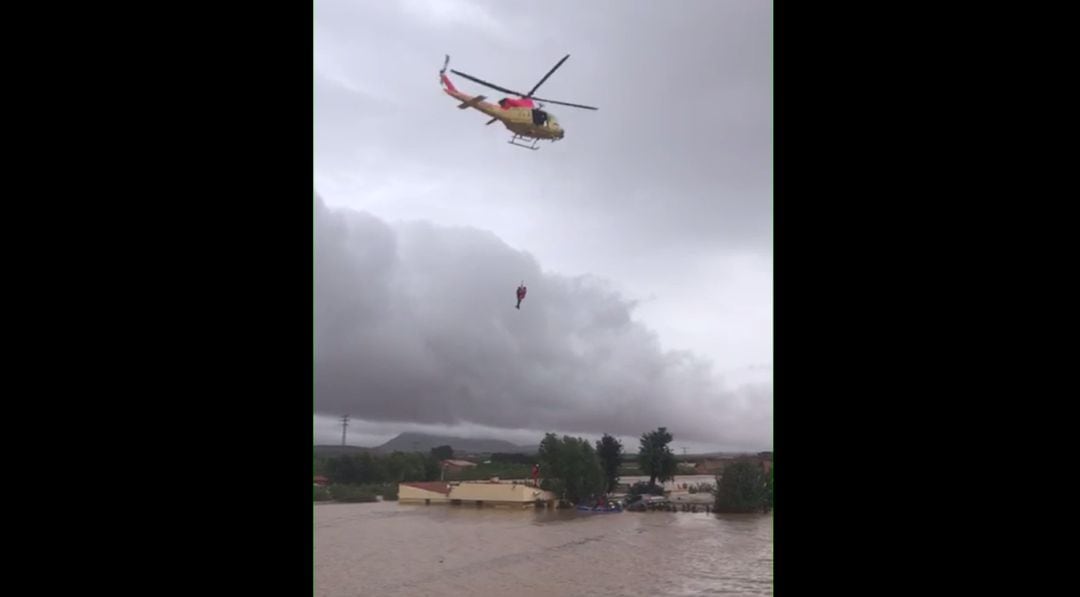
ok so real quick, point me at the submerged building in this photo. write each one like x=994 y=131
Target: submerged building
x=479 y=493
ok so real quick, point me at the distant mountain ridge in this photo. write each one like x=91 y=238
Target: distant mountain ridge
x=421 y=442
x=338 y=450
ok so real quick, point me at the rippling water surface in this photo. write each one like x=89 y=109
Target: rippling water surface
x=386 y=548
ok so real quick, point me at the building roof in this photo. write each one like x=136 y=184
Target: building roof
x=321 y=478
x=434 y=486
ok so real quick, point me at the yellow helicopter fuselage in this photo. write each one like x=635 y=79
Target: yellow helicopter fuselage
x=526 y=122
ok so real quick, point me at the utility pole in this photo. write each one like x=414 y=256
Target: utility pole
x=344 y=424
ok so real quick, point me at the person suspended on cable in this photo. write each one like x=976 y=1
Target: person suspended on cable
x=520 y=294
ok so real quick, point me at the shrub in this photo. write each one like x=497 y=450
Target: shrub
x=741 y=488
x=352 y=493
x=389 y=492
x=322 y=494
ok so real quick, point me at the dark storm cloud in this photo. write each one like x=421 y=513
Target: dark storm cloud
x=416 y=323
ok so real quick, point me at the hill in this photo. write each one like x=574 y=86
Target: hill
x=330 y=451
x=420 y=442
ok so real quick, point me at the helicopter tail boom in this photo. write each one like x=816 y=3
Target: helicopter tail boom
x=472 y=103
x=468 y=101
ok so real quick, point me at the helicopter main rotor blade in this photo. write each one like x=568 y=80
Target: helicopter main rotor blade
x=522 y=95
x=553 y=69
x=482 y=82
x=547 y=101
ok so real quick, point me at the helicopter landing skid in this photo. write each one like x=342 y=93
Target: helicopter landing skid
x=533 y=146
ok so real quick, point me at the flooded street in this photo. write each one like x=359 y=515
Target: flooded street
x=412 y=550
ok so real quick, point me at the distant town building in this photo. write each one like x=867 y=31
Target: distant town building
x=321 y=481
x=712 y=466
x=457 y=465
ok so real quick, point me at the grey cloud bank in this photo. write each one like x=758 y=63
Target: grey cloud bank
x=415 y=324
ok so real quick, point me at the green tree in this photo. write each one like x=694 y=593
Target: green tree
x=345 y=469
x=741 y=487
x=367 y=467
x=432 y=469
x=769 y=489
x=655 y=457
x=513 y=458
x=442 y=453
x=610 y=452
x=570 y=468
x=408 y=466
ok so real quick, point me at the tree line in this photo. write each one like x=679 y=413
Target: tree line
x=367 y=468
x=574 y=469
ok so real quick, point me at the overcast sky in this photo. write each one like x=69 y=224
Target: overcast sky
x=644 y=236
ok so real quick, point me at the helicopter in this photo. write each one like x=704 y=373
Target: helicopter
x=526 y=119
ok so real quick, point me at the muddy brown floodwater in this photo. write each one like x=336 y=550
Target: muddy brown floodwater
x=385 y=548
